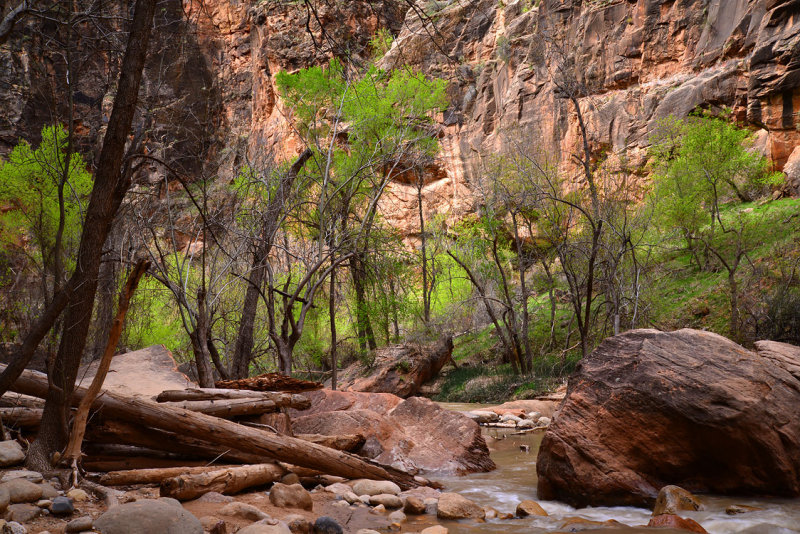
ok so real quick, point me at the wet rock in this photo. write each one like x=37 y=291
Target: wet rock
x=243 y=511
x=213 y=496
x=80 y=524
x=526 y=423
x=11 y=453
x=62 y=506
x=213 y=525
x=455 y=506
x=21 y=490
x=673 y=499
x=637 y=403
x=78 y=495
x=22 y=513
x=577 y=524
x=741 y=509
x=364 y=498
x=266 y=526
x=544 y=421
x=397 y=517
x=380 y=509
x=298 y=524
x=30 y=476
x=436 y=529
x=526 y=508
x=327 y=525
x=414 y=505
x=387 y=500
x=674 y=521
x=375 y=487
x=483 y=417
x=294 y=496
x=510 y=418
x=147 y=516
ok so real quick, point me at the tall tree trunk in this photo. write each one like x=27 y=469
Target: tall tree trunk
x=199 y=338
x=243 y=350
x=362 y=313
x=105 y=305
x=426 y=303
x=332 y=313
x=110 y=187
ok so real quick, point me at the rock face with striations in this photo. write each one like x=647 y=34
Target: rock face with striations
x=649 y=408
x=414 y=434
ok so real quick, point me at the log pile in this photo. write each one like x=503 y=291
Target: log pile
x=270 y=382
x=197 y=440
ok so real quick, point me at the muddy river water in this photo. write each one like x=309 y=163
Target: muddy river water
x=514 y=480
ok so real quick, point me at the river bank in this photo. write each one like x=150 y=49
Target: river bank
x=515 y=480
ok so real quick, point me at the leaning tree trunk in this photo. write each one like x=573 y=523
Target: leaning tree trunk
x=110 y=186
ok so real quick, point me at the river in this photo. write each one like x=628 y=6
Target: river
x=514 y=480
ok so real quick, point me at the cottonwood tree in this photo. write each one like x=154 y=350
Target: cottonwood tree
x=701 y=163
x=364 y=129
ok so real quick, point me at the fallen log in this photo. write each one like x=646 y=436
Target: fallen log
x=298 y=402
x=270 y=382
x=226 y=481
x=111 y=431
x=152 y=476
x=228 y=434
x=14 y=400
x=21 y=417
x=227 y=408
x=105 y=463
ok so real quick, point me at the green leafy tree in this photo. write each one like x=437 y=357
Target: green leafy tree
x=44 y=190
x=701 y=164
x=365 y=129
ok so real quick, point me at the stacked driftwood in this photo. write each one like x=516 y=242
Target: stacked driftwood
x=198 y=440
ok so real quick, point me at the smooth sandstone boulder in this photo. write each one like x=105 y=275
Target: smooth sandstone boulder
x=146 y=517
x=526 y=508
x=674 y=521
x=455 y=506
x=647 y=409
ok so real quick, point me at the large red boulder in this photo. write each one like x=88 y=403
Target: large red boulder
x=649 y=408
x=414 y=434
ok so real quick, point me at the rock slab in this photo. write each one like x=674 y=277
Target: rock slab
x=647 y=409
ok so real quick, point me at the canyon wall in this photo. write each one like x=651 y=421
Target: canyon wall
x=636 y=62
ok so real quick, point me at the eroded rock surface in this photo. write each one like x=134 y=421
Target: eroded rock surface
x=690 y=408
x=413 y=434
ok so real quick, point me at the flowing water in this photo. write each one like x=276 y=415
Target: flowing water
x=514 y=480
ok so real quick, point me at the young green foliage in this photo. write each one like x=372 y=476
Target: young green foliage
x=29 y=182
